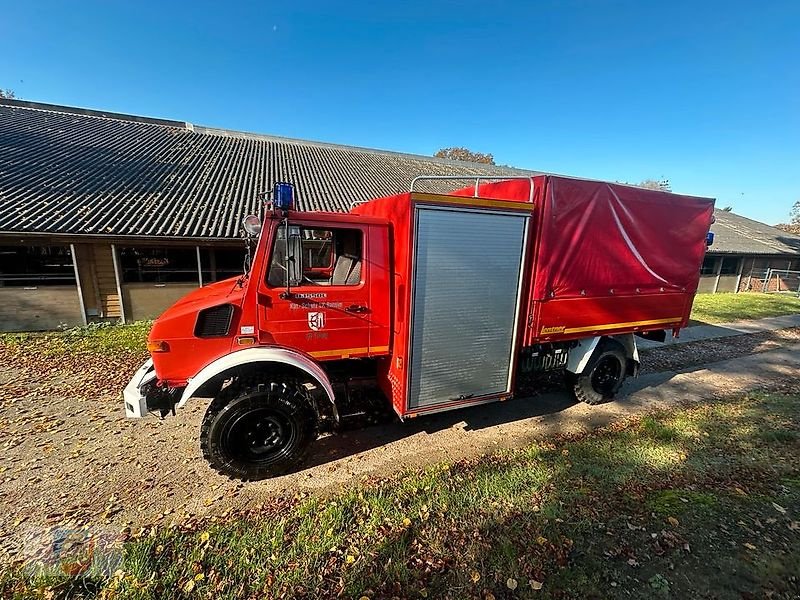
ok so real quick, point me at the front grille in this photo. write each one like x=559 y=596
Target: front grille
x=214 y=321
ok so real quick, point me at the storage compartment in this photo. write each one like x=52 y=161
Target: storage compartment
x=465 y=300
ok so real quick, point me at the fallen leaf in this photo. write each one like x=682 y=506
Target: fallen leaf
x=537 y=585
x=188 y=586
x=406 y=521
x=511 y=583
x=350 y=559
x=749 y=546
x=779 y=508
x=204 y=536
x=475 y=577
x=673 y=521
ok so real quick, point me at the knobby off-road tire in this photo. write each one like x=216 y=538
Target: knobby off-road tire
x=603 y=376
x=253 y=431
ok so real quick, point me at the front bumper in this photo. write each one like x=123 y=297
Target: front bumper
x=134 y=394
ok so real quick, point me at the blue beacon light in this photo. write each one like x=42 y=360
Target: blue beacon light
x=283 y=196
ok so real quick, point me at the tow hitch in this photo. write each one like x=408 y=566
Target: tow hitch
x=144 y=395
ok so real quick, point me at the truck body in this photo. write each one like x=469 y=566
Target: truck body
x=428 y=301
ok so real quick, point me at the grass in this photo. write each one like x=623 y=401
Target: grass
x=103 y=337
x=724 y=308
x=700 y=501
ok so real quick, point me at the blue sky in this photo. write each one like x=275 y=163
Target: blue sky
x=706 y=94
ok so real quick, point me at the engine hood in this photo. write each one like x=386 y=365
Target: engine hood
x=210 y=295
x=178 y=320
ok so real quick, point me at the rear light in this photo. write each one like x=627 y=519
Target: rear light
x=159 y=346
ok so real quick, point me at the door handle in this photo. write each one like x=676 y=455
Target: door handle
x=356 y=308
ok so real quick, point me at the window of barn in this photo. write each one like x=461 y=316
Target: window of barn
x=222 y=263
x=31 y=266
x=730 y=265
x=709 y=266
x=158 y=265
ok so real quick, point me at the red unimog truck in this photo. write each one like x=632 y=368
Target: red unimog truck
x=428 y=301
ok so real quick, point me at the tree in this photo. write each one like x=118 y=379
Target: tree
x=789 y=227
x=726 y=208
x=793 y=226
x=7 y=94
x=655 y=184
x=466 y=155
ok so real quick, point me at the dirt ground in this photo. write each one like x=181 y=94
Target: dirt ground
x=71 y=458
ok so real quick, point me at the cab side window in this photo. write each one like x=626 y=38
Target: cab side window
x=316 y=257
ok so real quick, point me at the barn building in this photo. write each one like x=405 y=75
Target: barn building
x=110 y=216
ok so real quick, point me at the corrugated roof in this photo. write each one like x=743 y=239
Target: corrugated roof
x=78 y=171
x=735 y=234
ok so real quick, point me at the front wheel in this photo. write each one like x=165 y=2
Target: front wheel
x=256 y=432
x=603 y=375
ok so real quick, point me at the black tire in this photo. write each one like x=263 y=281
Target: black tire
x=603 y=376
x=255 y=431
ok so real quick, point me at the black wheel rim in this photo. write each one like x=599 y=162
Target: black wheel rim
x=606 y=375
x=260 y=436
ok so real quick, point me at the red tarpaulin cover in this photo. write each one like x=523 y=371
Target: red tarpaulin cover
x=599 y=239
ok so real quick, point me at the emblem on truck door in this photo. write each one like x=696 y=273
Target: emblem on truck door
x=316 y=320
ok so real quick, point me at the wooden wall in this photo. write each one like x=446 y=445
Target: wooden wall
x=98 y=282
x=106 y=281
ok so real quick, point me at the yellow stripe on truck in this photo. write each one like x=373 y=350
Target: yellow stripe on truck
x=346 y=352
x=619 y=325
x=472 y=201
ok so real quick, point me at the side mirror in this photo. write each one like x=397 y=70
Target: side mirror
x=252 y=225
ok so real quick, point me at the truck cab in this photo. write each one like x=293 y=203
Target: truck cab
x=317 y=291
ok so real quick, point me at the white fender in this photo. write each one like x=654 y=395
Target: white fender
x=628 y=340
x=579 y=355
x=255 y=355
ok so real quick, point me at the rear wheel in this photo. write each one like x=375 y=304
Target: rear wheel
x=603 y=375
x=252 y=432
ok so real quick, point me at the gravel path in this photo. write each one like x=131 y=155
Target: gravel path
x=691 y=354
x=71 y=458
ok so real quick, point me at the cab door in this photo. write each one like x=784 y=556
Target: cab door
x=315 y=296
